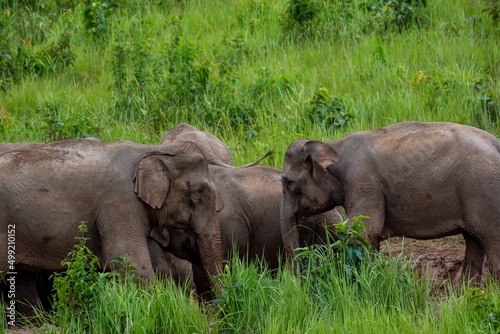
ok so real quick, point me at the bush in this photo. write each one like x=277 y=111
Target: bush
x=328 y=111
x=79 y=286
x=301 y=19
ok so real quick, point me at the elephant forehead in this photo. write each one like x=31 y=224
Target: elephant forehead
x=193 y=165
x=292 y=168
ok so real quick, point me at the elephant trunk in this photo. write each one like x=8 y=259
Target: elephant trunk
x=210 y=249
x=288 y=220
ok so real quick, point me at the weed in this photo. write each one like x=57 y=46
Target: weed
x=78 y=287
x=58 y=125
x=492 y=7
x=328 y=111
x=95 y=17
x=300 y=20
x=390 y=15
x=345 y=249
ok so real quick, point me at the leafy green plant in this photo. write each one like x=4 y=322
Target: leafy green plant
x=300 y=19
x=58 y=125
x=95 y=17
x=345 y=249
x=81 y=283
x=390 y=15
x=328 y=111
x=492 y=7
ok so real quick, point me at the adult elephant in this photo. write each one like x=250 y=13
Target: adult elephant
x=212 y=147
x=419 y=180
x=121 y=189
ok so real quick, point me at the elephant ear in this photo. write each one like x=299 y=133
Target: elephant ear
x=160 y=236
x=318 y=157
x=152 y=179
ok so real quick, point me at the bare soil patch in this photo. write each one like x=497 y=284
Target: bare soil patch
x=442 y=259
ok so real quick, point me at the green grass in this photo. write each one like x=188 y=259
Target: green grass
x=257 y=96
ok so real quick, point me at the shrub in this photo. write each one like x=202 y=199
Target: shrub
x=81 y=283
x=95 y=17
x=393 y=15
x=345 y=249
x=328 y=111
x=300 y=19
x=58 y=125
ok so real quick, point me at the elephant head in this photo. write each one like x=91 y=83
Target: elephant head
x=212 y=147
x=310 y=184
x=175 y=183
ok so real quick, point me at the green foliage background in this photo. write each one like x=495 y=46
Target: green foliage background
x=258 y=74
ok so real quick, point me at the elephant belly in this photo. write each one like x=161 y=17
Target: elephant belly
x=420 y=228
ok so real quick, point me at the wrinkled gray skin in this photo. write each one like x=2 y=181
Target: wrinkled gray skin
x=212 y=147
x=121 y=189
x=419 y=180
x=250 y=218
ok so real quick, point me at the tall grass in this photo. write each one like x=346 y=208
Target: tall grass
x=380 y=295
x=260 y=79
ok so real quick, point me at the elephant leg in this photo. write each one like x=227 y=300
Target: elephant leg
x=44 y=286
x=125 y=235
x=474 y=257
x=168 y=265
x=26 y=293
x=493 y=257
x=202 y=281
x=372 y=205
x=135 y=252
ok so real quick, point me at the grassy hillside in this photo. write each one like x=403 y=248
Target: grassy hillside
x=249 y=71
x=258 y=74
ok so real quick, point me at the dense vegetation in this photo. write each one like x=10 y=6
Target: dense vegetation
x=257 y=74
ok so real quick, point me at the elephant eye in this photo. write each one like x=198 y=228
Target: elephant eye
x=196 y=192
x=197 y=195
x=290 y=184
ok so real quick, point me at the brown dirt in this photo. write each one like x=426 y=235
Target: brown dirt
x=441 y=258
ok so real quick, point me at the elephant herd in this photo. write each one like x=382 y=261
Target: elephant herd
x=180 y=207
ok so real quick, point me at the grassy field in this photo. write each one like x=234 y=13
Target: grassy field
x=258 y=74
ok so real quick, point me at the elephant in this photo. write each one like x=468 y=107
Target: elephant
x=414 y=179
x=167 y=265
x=249 y=219
x=212 y=147
x=120 y=189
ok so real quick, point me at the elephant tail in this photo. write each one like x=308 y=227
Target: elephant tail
x=250 y=164
x=256 y=162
